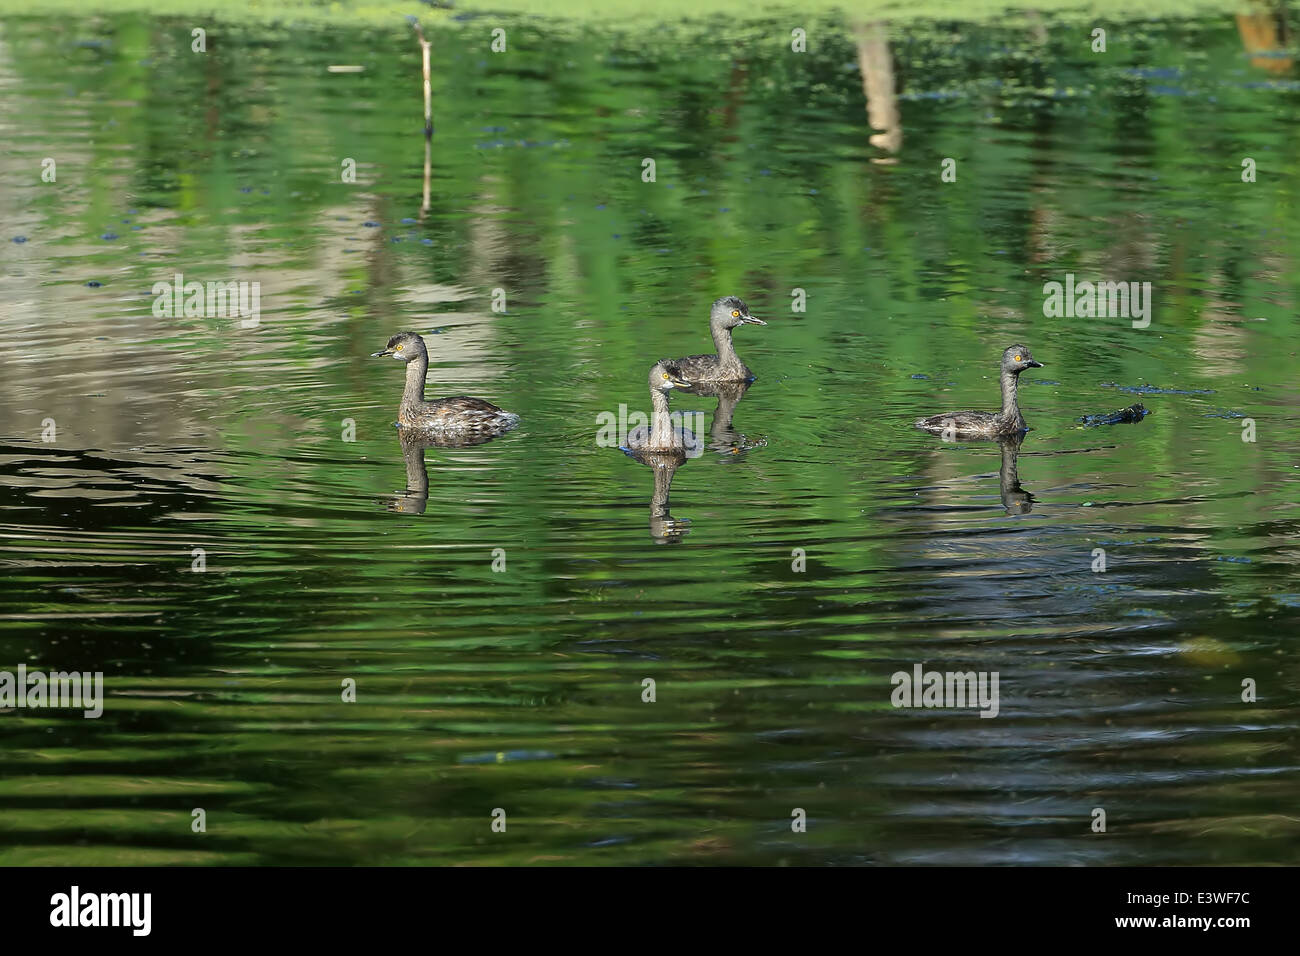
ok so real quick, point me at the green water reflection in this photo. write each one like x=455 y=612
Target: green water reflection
x=770 y=585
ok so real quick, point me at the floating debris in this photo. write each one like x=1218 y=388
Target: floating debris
x=1134 y=413
x=506 y=755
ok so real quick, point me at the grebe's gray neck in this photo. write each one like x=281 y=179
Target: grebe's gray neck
x=722 y=342
x=661 y=428
x=416 y=369
x=1010 y=408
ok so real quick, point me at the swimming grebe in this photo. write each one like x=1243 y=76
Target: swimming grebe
x=446 y=416
x=662 y=435
x=727 y=313
x=1009 y=421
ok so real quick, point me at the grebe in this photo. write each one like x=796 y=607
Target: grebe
x=1009 y=421
x=661 y=434
x=726 y=314
x=459 y=415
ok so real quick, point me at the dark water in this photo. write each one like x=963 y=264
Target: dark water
x=521 y=688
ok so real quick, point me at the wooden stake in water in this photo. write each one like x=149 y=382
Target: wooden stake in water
x=428 y=113
x=428 y=89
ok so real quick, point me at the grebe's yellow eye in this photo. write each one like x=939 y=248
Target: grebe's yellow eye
x=1017 y=358
x=735 y=313
x=665 y=374
x=400 y=347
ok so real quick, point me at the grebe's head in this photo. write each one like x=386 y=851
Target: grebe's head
x=729 y=312
x=666 y=375
x=1017 y=358
x=404 y=346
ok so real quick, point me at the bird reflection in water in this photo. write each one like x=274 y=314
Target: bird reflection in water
x=415 y=498
x=1015 y=499
x=664 y=528
x=723 y=437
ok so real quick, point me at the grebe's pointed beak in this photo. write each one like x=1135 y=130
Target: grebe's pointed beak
x=1033 y=364
x=381 y=354
x=750 y=320
x=679 y=382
